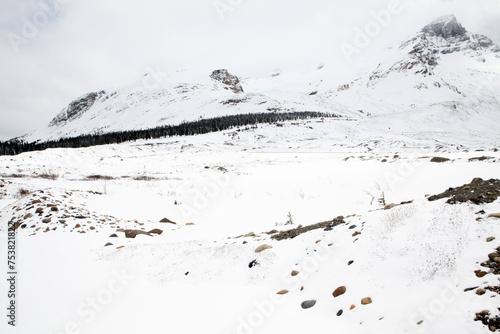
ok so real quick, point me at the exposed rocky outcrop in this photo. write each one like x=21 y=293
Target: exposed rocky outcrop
x=477 y=192
x=231 y=81
x=76 y=108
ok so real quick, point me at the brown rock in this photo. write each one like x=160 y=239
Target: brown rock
x=133 y=233
x=480 y=292
x=355 y=234
x=366 y=301
x=283 y=292
x=189 y=224
x=352 y=307
x=492 y=256
x=156 y=231
x=339 y=291
x=166 y=220
x=480 y=273
x=390 y=206
x=494 y=215
x=262 y=248
x=92 y=227
x=54 y=208
x=39 y=210
x=490 y=239
x=36 y=201
x=78 y=226
x=29 y=215
x=294 y=273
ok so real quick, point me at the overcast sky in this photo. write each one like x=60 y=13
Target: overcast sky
x=53 y=51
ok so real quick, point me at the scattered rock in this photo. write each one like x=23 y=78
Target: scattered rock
x=308 y=304
x=46 y=220
x=253 y=263
x=262 y=248
x=36 y=201
x=54 y=208
x=294 y=273
x=283 y=292
x=166 y=220
x=113 y=235
x=80 y=217
x=366 y=301
x=390 y=206
x=490 y=239
x=480 y=273
x=350 y=262
x=339 y=291
x=494 y=215
x=92 y=228
x=492 y=256
x=108 y=244
x=156 y=231
x=470 y=289
x=133 y=233
x=355 y=234
x=439 y=159
x=352 y=227
x=480 y=292
x=29 y=215
x=189 y=224
x=39 y=210
x=339 y=313
x=248 y=235
x=353 y=307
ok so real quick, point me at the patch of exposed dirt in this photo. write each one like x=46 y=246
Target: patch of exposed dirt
x=290 y=234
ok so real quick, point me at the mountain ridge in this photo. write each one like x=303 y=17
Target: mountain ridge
x=442 y=64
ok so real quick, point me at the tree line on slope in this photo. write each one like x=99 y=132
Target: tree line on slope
x=202 y=126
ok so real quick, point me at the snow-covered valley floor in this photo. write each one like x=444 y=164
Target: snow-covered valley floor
x=226 y=192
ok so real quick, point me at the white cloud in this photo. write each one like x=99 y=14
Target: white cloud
x=90 y=45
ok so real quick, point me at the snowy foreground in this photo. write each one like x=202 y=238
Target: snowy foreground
x=413 y=261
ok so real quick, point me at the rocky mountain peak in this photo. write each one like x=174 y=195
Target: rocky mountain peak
x=446 y=27
x=231 y=81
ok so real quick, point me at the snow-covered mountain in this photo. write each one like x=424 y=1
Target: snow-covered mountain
x=442 y=71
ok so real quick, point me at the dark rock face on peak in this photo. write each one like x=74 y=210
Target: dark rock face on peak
x=446 y=27
x=76 y=108
x=231 y=81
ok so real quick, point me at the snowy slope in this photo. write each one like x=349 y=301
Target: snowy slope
x=414 y=261
x=442 y=67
